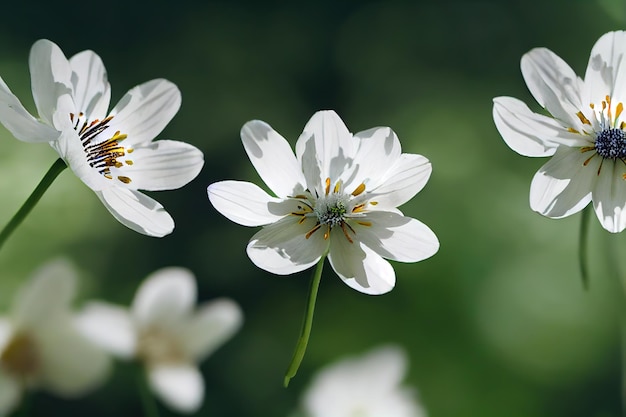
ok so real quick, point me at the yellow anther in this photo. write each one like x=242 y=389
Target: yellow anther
x=364 y=223
x=358 y=190
x=124 y=179
x=337 y=187
x=572 y=130
x=327 y=186
x=618 y=110
x=582 y=118
x=128 y=162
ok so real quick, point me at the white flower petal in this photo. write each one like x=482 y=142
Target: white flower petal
x=46 y=295
x=109 y=327
x=10 y=393
x=92 y=92
x=163 y=165
x=210 y=326
x=606 y=70
x=378 y=149
x=359 y=267
x=17 y=120
x=50 y=75
x=145 y=111
x=71 y=364
x=609 y=196
x=272 y=158
x=282 y=247
x=180 y=386
x=137 y=211
x=553 y=83
x=396 y=237
x=245 y=203
x=164 y=298
x=367 y=385
x=405 y=178
x=563 y=185
x=528 y=133
x=325 y=149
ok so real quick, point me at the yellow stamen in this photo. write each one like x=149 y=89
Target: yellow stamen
x=358 y=209
x=618 y=110
x=327 y=186
x=364 y=223
x=586 y=149
x=582 y=118
x=124 y=179
x=572 y=130
x=589 y=159
x=128 y=162
x=345 y=232
x=310 y=232
x=358 y=190
x=337 y=187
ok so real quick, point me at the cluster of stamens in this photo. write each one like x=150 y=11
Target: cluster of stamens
x=332 y=210
x=610 y=139
x=106 y=154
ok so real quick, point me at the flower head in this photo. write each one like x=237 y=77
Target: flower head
x=112 y=152
x=337 y=195
x=364 y=386
x=163 y=331
x=585 y=133
x=40 y=345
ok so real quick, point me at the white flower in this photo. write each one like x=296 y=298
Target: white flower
x=164 y=332
x=112 y=153
x=363 y=386
x=585 y=134
x=337 y=195
x=40 y=345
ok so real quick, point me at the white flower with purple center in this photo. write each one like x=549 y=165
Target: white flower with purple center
x=585 y=133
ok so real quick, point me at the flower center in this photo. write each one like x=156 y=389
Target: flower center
x=20 y=356
x=103 y=154
x=331 y=209
x=158 y=346
x=611 y=143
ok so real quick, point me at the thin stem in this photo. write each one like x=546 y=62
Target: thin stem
x=307 y=323
x=56 y=168
x=614 y=254
x=582 y=246
x=150 y=408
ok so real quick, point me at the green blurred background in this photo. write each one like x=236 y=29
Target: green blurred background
x=496 y=324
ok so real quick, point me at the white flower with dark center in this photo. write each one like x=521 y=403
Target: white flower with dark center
x=585 y=134
x=165 y=333
x=369 y=385
x=40 y=346
x=113 y=153
x=337 y=196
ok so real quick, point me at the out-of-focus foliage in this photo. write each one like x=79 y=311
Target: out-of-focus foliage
x=496 y=324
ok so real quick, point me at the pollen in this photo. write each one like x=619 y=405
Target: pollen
x=106 y=153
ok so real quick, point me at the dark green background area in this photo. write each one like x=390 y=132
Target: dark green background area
x=496 y=324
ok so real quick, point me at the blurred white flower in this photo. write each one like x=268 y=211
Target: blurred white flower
x=162 y=330
x=337 y=195
x=113 y=154
x=585 y=134
x=40 y=346
x=363 y=386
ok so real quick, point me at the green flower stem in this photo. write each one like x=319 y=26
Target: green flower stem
x=150 y=408
x=56 y=168
x=307 y=323
x=615 y=257
x=582 y=245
